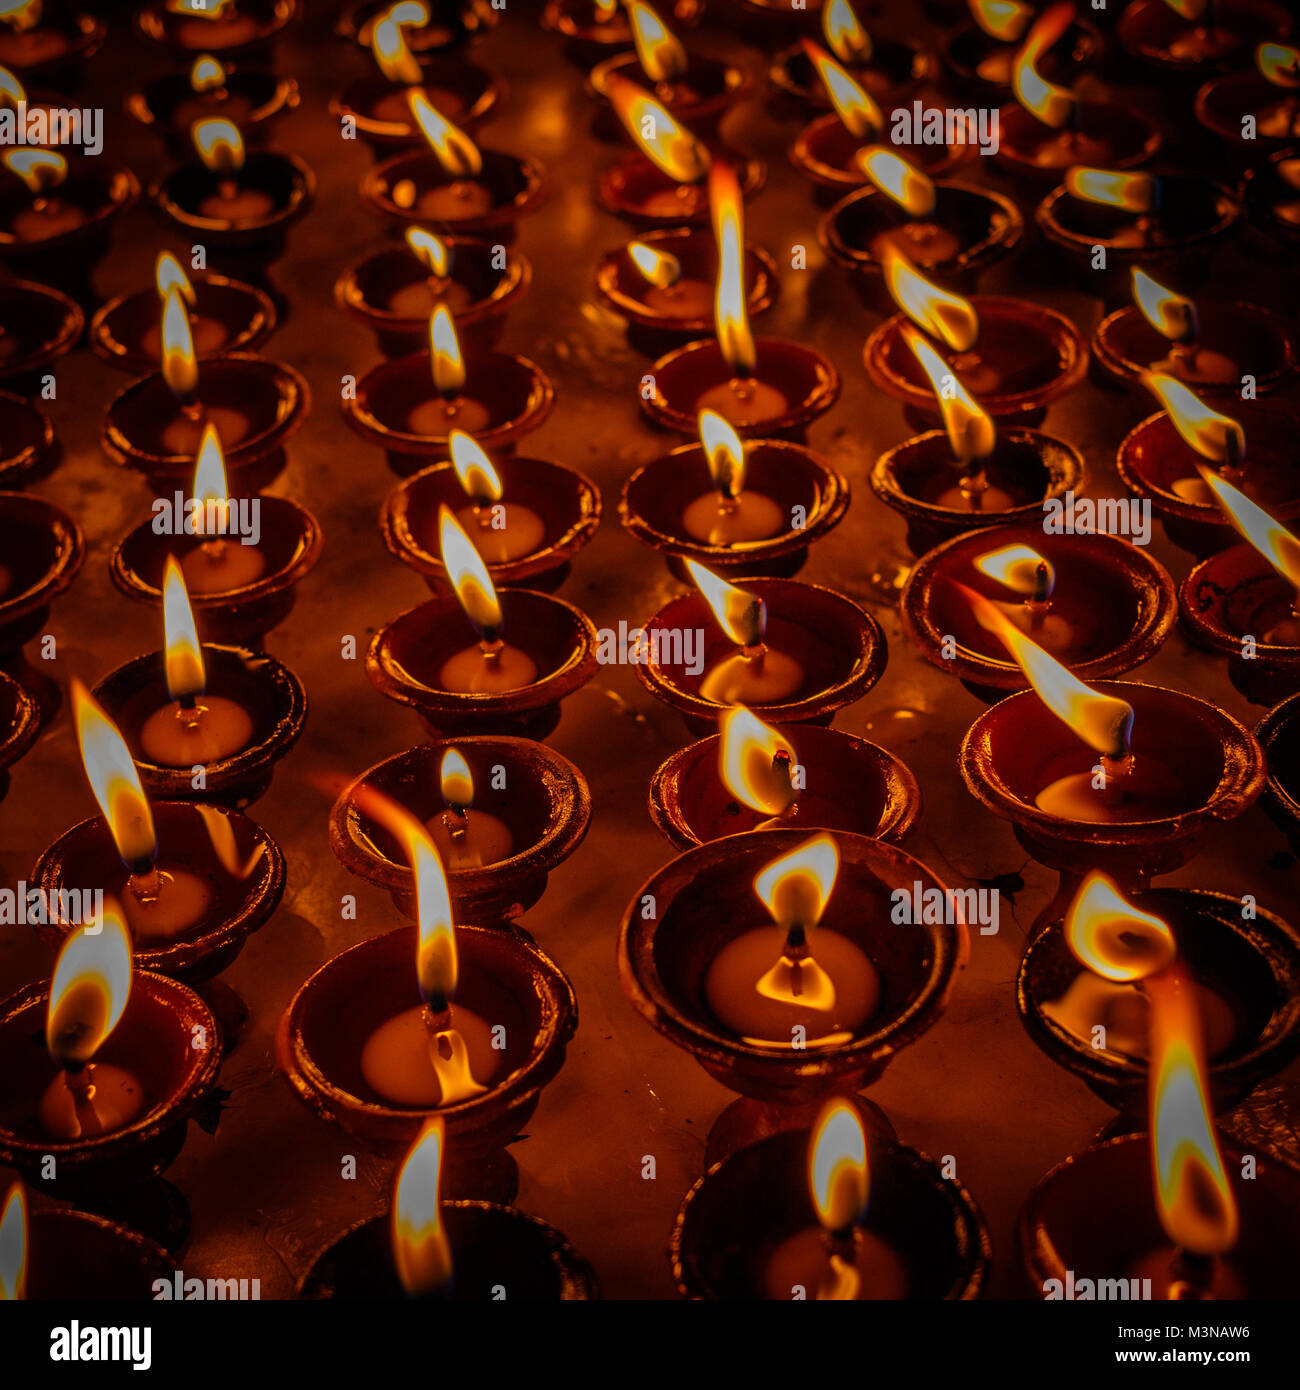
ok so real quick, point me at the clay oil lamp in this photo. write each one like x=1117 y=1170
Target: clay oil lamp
x=750 y=777
x=57 y=214
x=664 y=182
x=1097 y=603
x=48 y=41
x=594 y=29
x=242 y=559
x=222 y=27
x=20 y=722
x=378 y=106
x=57 y=1252
x=204 y=722
x=429 y=1249
x=225 y=316
x=1048 y=129
x=1174 y=221
x=1279 y=735
x=193 y=880
x=394 y=291
x=424 y=658
x=1168 y=1213
x=1209 y=344
x=1241 y=602
x=1089 y=986
x=980 y=57
x=466 y=1023
x=694 y=88
x=528 y=517
x=1161 y=458
x=795 y=652
x=1271 y=192
x=763 y=388
x=28 y=113
x=156 y=425
x=38 y=325
x=503 y=813
x=238 y=203
x=427 y=32
x=28 y=448
x=105 y=1065
x=249 y=98
x=410 y=405
x=891 y=71
x=1258 y=108
x=1120 y=776
x=769 y=501
x=770 y=957
x=1198 y=37
x=831 y=1215
x=453 y=187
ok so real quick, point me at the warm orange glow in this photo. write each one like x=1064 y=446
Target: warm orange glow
x=113 y=779
x=1051 y=104
x=1113 y=938
x=451 y=147
x=431 y=251
x=447 y=364
x=210 y=483
x=89 y=990
x=474 y=469
x=742 y=616
x=1216 y=437
x=395 y=59
x=219 y=144
x=849 y=41
x=970 y=428
x=1279 y=63
x=938 y=312
x=1194 y=1201
x=455 y=780
x=184 y=657
x=207 y=74
x=1193 y=10
x=658 y=267
x=180 y=367
x=660 y=53
x=725 y=451
x=668 y=145
x=420 y=1248
x=796 y=887
x=468 y=574
x=1101 y=721
x=26 y=14
x=1131 y=192
x=755 y=762
x=898 y=179
x=169 y=275
x=200 y=9
x=13 y=1245
x=1006 y=20
x=435 y=960
x=38 y=169
x=859 y=112
x=12 y=92
x=1021 y=568
x=1168 y=313
x=837 y=1167
x=1273 y=541
x=730 y=303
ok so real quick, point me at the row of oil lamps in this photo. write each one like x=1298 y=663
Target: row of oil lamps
x=193 y=876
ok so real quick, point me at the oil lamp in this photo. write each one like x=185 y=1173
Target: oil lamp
x=872 y=1219
x=1199 y=36
x=528 y=517
x=38 y=325
x=980 y=57
x=770 y=958
x=762 y=388
x=394 y=291
x=795 y=651
x=750 y=776
x=28 y=448
x=492 y=686
x=1049 y=129
x=410 y=405
x=224 y=316
x=1270 y=192
x=430 y=1249
x=594 y=28
x=1097 y=603
x=1257 y=108
x=54 y=44
x=20 y=722
x=472 y=1034
x=1087 y=988
x=193 y=880
x=426 y=31
x=1279 y=735
x=214 y=26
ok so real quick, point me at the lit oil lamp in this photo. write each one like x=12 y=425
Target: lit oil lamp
x=1258 y=108
x=528 y=517
x=410 y=405
x=503 y=813
x=440 y=1251
x=1271 y=193
x=393 y=291
x=1097 y=603
x=224 y=316
x=492 y=686
x=38 y=325
x=981 y=57
x=472 y=1034
x=453 y=186
x=1086 y=988
x=20 y=722
x=750 y=777
x=193 y=881
x=1049 y=129
x=595 y=28
x=1199 y=36
x=28 y=448
x=214 y=26
x=762 y=388
x=53 y=44
x=426 y=31
x=872 y=1220
x=1012 y=357
x=794 y=651
x=770 y=500
x=759 y=962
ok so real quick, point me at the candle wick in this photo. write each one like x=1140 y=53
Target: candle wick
x=1191 y=1276
x=491 y=645
x=146 y=882
x=456 y=820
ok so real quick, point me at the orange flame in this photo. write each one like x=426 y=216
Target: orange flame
x=444 y=352
x=938 y=312
x=660 y=53
x=1273 y=541
x=658 y=267
x=180 y=366
x=1021 y=568
x=89 y=990
x=669 y=146
x=431 y=251
x=452 y=148
x=849 y=41
x=13 y=1246
x=456 y=780
x=858 y=112
x=725 y=451
x=742 y=616
x=1052 y=105
x=1192 y=10
x=38 y=169
x=210 y=482
x=219 y=144
x=1112 y=937
x=1216 y=437
x=24 y=15
x=1006 y=20
x=1279 y=63
x=469 y=575
x=183 y=661
x=971 y=431
x=837 y=1167
x=113 y=779
x=474 y=469
x=1131 y=192
x=755 y=762
x=168 y=275
x=420 y=1248
x=12 y=91
x=1168 y=313
x=395 y=59
x=207 y=74
x=796 y=887
x=730 y=303
x=898 y=179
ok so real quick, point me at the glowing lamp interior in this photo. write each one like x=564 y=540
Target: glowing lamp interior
x=938 y=312
x=219 y=144
x=1112 y=937
x=667 y=144
x=452 y=148
x=837 y=1167
x=658 y=50
x=113 y=779
x=473 y=468
x=755 y=762
x=89 y=990
x=468 y=574
x=420 y=1248
x=430 y=251
x=848 y=40
x=1216 y=437
x=742 y=616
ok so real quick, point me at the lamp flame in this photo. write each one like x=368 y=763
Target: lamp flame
x=444 y=352
x=13 y=1246
x=669 y=146
x=1273 y=541
x=1022 y=569
x=1216 y=437
x=659 y=51
x=219 y=144
x=898 y=179
x=469 y=575
x=658 y=267
x=113 y=779
x=725 y=451
x=848 y=40
x=938 y=312
x=837 y=1167
x=742 y=616
x=452 y=148
x=1005 y=20
x=1170 y=314
x=210 y=481
x=858 y=112
x=183 y=661
x=474 y=469
x=180 y=366
x=12 y=91
x=1192 y=10
x=970 y=428
x=1279 y=63
x=395 y=59
x=431 y=251
x=169 y=275
x=89 y=990
x=199 y=9
x=38 y=169
x=1051 y=104
x=755 y=762
x=1114 y=189
x=456 y=780
x=1112 y=937
x=23 y=15
x=730 y=304
x=207 y=74
x=796 y=887
x=420 y=1248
